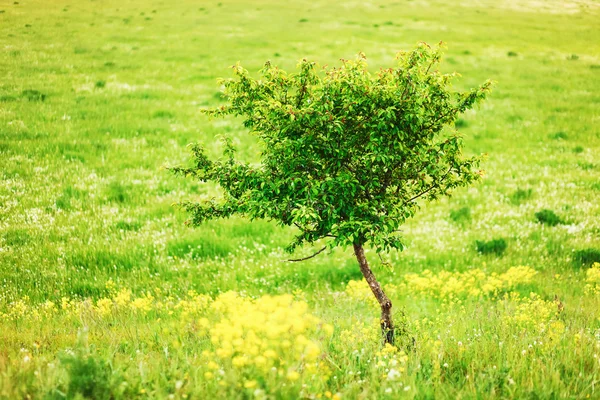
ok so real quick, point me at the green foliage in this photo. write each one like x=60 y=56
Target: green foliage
x=117 y=192
x=33 y=95
x=88 y=378
x=520 y=196
x=587 y=257
x=461 y=215
x=16 y=237
x=69 y=193
x=494 y=246
x=548 y=217
x=128 y=225
x=461 y=123
x=345 y=154
x=559 y=136
x=163 y=114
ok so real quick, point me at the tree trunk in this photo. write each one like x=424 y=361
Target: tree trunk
x=387 y=326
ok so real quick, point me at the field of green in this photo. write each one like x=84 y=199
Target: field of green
x=106 y=294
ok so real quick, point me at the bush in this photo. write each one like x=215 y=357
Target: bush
x=494 y=246
x=559 y=136
x=548 y=217
x=587 y=257
x=520 y=195
x=33 y=95
x=88 y=378
x=117 y=193
x=461 y=216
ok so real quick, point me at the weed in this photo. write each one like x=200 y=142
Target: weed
x=16 y=237
x=162 y=114
x=586 y=257
x=33 y=95
x=494 y=246
x=128 y=225
x=118 y=193
x=520 y=196
x=89 y=378
x=461 y=215
x=548 y=217
x=559 y=136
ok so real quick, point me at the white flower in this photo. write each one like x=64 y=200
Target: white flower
x=393 y=374
x=406 y=388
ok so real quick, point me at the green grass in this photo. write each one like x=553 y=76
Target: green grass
x=96 y=97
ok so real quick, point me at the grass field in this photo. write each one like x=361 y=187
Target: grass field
x=106 y=294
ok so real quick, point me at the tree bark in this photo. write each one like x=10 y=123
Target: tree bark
x=387 y=326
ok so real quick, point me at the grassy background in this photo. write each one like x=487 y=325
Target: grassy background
x=97 y=96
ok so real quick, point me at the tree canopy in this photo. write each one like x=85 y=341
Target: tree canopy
x=345 y=153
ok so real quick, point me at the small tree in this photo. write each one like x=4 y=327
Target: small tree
x=345 y=154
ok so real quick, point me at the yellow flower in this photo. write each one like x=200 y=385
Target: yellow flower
x=123 y=297
x=292 y=376
x=250 y=384
x=104 y=307
x=212 y=365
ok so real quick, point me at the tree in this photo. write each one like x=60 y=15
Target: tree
x=345 y=154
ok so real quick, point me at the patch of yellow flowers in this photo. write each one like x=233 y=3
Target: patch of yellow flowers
x=529 y=312
x=119 y=302
x=264 y=343
x=360 y=291
x=260 y=345
x=445 y=284
x=592 y=279
x=472 y=283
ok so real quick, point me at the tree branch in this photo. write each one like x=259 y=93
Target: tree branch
x=446 y=114
x=305 y=231
x=437 y=184
x=309 y=257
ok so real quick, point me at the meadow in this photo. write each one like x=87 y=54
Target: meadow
x=106 y=294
